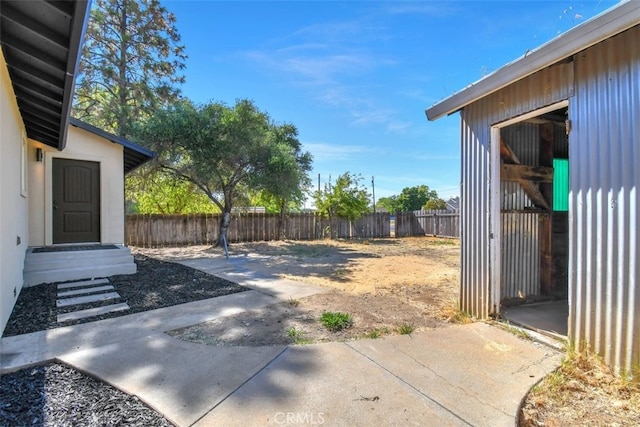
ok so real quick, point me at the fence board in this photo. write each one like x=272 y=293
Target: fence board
x=204 y=229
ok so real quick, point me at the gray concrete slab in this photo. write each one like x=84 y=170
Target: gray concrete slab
x=182 y=380
x=235 y=270
x=90 y=312
x=82 y=291
x=28 y=349
x=478 y=371
x=551 y=317
x=326 y=384
x=86 y=299
x=82 y=283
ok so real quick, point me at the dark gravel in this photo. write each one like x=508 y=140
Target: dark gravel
x=157 y=284
x=56 y=395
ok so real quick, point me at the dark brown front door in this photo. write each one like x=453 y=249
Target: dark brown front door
x=76 y=201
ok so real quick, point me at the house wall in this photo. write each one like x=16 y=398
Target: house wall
x=480 y=197
x=604 y=205
x=13 y=208
x=81 y=145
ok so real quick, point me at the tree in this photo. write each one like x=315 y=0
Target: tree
x=414 y=198
x=217 y=148
x=161 y=193
x=347 y=198
x=435 y=204
x=130 y=64
x=410 y=199
x=285 y=178
x=390 y=204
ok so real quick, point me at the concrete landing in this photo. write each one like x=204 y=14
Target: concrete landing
x=24 y=350
x=551 y=318
x=179 y=379
x=465 y=375
x=235 y=270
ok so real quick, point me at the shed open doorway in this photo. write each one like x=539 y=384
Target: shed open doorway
x=534 y=232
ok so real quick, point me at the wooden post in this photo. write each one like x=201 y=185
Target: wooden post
x=547 y=284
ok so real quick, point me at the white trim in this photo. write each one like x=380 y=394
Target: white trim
x=24 y=167
x=532 y=114
x=601 y=27
x=495 y=223
x=48 y=193
x=495 y=220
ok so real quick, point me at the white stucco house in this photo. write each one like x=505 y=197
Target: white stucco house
x=61 y=180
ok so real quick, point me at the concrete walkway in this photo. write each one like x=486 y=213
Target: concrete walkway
x=461 y=375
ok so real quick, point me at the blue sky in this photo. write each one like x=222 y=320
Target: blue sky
x=355 y=77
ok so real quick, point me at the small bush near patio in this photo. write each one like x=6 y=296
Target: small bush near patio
x=335 y=321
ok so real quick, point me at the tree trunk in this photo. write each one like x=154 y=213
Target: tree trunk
x=224 y=227
x=281 y=220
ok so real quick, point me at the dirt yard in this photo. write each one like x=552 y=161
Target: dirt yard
x=393 y=286
x=388 y=286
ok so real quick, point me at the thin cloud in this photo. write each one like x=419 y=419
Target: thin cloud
x=324 y=152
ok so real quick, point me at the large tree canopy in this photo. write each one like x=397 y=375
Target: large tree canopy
x=224 y=150
x=410 y=199
x=130 y=64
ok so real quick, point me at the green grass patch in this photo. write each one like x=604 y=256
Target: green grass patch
x=405 y=329
x=298 y=336
x=336 y=321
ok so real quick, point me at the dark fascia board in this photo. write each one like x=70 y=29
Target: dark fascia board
x=137 y=154
x=605 y=25
x=76 y=37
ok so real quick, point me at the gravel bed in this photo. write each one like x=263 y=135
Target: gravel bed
x=56 y=395
x=157 y=284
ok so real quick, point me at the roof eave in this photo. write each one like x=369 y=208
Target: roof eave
x=78 y=29
x=609 y=23
x=135 y=155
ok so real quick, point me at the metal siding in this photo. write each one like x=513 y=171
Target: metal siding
x=603 y=203
x=475 y=204
x=520 y=255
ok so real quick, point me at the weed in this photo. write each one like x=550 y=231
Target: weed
x=405 y=329
x=451 y=313
x=293 y=302
x=340 y=272
x=519 y=332
x=298 y=336
x=335 y=321
x=377 y=333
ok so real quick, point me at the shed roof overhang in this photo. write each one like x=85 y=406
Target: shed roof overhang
x=41 y=45
x=134 y=155
x=605 y=25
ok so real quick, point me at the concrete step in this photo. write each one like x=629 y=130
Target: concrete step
x=85 y=299
x=91 y=312
x=48 y=267
x=84 y=291
x=82 y=283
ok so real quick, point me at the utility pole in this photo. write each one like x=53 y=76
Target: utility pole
x=318 y=183
x=373 y=187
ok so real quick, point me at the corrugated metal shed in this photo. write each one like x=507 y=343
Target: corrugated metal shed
x=604 y=204
x=593 y=73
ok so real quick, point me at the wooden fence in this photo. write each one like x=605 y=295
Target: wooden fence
x=204 y=229
x=428 y=223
